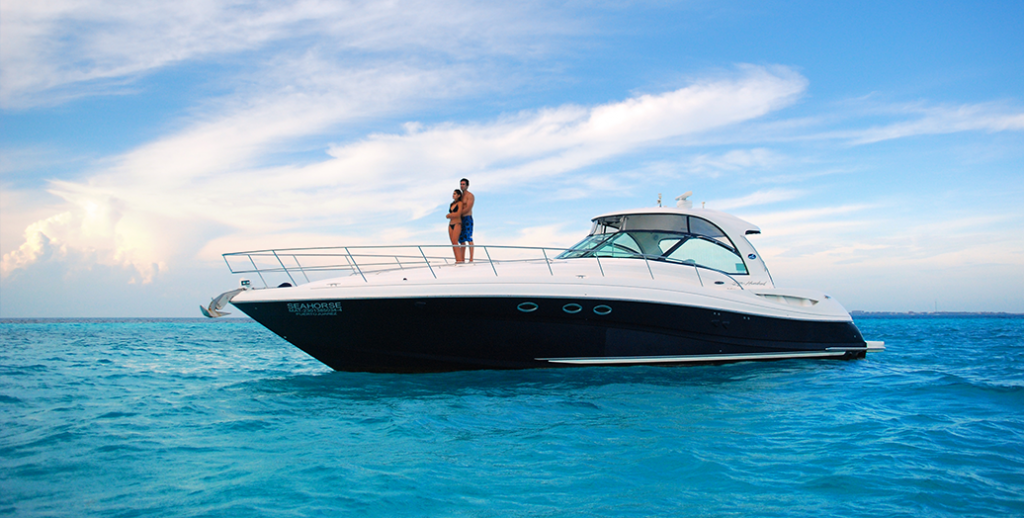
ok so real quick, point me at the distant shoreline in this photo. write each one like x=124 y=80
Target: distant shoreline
x=100 y=320
x=236 y=320
x=934 y=314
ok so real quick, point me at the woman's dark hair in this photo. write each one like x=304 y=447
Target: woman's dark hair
x=459 y=192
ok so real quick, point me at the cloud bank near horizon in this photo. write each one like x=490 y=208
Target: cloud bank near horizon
x=152 y=191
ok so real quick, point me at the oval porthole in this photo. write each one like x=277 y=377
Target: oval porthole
x=719 y=282
x=527 y=307
x=572 y=308
x=602 y=309
x=751 y=257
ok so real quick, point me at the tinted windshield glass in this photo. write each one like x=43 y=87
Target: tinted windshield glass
x=664 y=222
x=676 y=247
x=708 y=253
x=702 y=227
x=620 y=245
x=666 y=244
x=675 y=223
x=583 y=248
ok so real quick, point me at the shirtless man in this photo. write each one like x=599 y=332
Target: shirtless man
x=466 y=237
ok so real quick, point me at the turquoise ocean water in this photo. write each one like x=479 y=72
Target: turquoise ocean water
x=223 y=418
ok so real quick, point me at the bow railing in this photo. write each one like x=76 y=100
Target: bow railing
x=299 y=265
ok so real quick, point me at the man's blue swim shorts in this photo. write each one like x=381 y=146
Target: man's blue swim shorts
x=466 y=236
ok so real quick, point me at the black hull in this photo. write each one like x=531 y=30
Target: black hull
x=450 y=334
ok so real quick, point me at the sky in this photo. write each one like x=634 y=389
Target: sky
x=879 y=146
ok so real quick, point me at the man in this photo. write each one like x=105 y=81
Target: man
x=466 y=237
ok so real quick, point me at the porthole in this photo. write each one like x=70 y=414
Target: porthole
x=602 y=310
x=572 y=308
x=527 y=307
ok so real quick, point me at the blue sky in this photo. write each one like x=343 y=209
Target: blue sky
x=879 y=145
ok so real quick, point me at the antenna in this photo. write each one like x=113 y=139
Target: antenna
x=659 y=199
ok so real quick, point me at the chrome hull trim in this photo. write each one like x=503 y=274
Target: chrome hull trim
x=709 y=358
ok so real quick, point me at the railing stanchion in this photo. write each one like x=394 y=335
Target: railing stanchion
x=648 y=267
x=301 y=269
x=285 y=268
x=257 y=270
x=697 y=270
x=495 y=270
x=420 y=248
x=289 y=273
x=546 y=260
x=354 y=264
x=599 y=264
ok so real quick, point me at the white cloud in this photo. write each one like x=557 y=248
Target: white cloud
x=813 y=222
x=206 y=177
x=747 y=160
x=55 y=50
x=762 y=197
x=862 y=122
x=910 y=120
x=880 y=239
x=547 y=235
x=553 y=141
x=989 y=117
x=94 y=235
x=37 y=246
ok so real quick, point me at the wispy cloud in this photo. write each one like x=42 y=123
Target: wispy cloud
x=762 y=197
x=863 y=122
x=990 y=117
x=735 y=160
x=155 y=187
x=866 y=121
x=811 y=221
x=53 y=51
x=22 y=161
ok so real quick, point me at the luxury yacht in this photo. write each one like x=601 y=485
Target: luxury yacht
x=656 y=286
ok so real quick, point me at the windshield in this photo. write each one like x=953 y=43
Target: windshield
x=677 y=223
x=675 y=247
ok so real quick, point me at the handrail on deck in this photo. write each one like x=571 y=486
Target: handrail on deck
x=387 y=261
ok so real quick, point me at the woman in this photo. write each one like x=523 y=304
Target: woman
x=455 y=225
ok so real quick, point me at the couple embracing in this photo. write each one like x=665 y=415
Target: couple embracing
x=460 y=226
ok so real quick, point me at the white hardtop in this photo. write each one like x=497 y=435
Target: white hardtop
x=729 y=224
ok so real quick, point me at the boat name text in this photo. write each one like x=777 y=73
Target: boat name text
x=316 y=309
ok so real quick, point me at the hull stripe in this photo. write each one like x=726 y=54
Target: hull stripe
x=696 y=358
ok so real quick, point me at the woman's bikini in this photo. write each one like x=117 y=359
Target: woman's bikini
x=452 y=208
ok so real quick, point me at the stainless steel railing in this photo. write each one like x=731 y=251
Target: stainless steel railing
x=362 y=260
